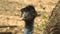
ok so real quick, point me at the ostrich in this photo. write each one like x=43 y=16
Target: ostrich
x=28 y=14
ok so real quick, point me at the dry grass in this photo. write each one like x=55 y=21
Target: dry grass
x=10 y=14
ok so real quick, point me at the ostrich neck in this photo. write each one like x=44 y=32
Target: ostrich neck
x=29 y=27
x=29 y=24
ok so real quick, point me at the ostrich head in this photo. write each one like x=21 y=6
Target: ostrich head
x=28 y=13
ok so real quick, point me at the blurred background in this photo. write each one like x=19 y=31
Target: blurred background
x=10 y=14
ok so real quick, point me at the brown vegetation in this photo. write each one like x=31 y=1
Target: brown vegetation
x=10 y=14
